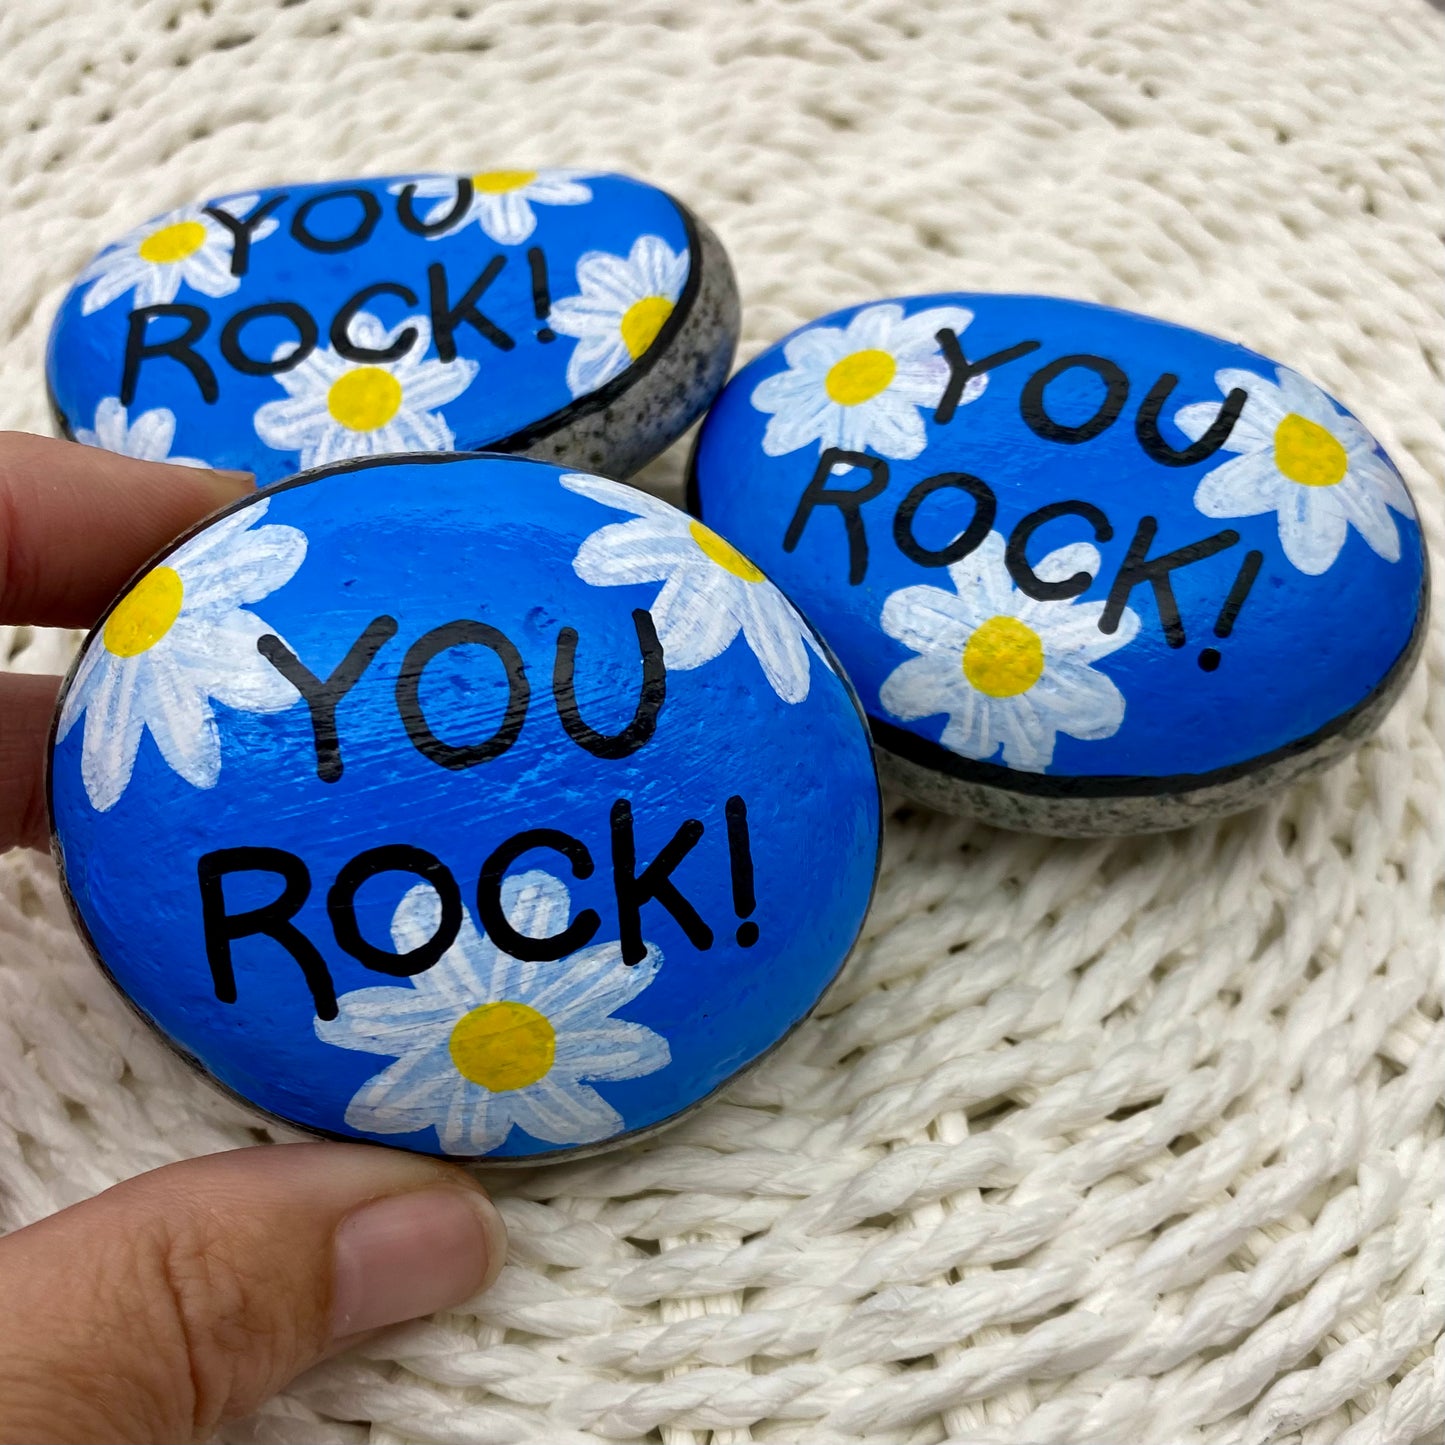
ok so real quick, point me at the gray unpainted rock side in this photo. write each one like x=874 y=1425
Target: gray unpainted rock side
x=1145 y=812
x=671 y=394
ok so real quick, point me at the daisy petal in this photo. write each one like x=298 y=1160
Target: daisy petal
x=258 y=562
x=158 y=286
x=890 y=425
x=636 y=551
x=595 y=362
x=620 y=496
x=114 y=281
x=387 y=1020
x=1365 y=509
x=610 y=279
x=114 y=721
x=1312 y=531
x=694 y=616
x=536 y=904
x=1375 y=472
x=614 y=1050
x=1080 y=701
x=564 y=1113
x=1028 y=744
x=476 y=1123
x=930 y=619
x=774 y=633
x=209 y=270
x=434 y=383
x=1244 y=486
x=923 y=687
x=918 y=334
x=111 y=431
x=873 y=327
x=150 y=435
x=226 y=656
x=181 y=722
x=93 y=664
x=968 y=731
x=798 y=424
x=595 y=985
x=660 y=269
x=814 y=351
x=402 y=1098
x=507 y=218
x=558 y=188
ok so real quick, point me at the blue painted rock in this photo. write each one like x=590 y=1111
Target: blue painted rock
x=465 y=804
x=1090 y=573
x=575 y=317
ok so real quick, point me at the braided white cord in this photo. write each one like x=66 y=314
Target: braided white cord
x=1135 y=1141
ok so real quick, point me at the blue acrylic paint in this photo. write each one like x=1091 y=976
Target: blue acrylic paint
x=469 y=805
x=298 y=326
x=1068 y=551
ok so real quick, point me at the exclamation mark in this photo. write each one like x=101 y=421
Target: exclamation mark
x=541 y=292
x=740 y=848
x=1209 y=659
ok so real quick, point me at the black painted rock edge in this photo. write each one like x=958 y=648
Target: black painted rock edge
x=928 y=774
x=622 y=426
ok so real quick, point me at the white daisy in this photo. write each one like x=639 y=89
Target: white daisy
x=862 y=386
x=483 y=1041
x=1009 y=671
x=339 y=409
x=501 y=201
x=180 y=639
x=183 y=245
x=148 y=437
x=711 y=592
x=624 y=303
x=1298 y=456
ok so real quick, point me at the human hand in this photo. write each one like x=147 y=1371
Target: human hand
x=192 y=1293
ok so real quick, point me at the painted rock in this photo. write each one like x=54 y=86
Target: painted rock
x=464 y=804
x=1091 y=573
x=577 y=317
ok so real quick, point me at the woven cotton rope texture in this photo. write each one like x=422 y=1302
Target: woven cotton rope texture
x=1130 y=1141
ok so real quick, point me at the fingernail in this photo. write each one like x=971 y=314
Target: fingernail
x=231 y=484
x=413 y=1254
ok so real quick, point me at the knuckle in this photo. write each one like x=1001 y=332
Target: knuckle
x=229 y=1312
x=155 y=1311
x=102 y=1352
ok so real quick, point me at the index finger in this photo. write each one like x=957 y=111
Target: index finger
x=76 y=522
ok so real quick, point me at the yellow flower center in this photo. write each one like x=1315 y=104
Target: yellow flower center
x=173 y=243
x=723 y=553
x=1004 y=657
x=642 y=321
x=496 y=183
x=364 y=399
x=859 y=376
x=503 y=1046
x=1306 y=453
x=145 y=614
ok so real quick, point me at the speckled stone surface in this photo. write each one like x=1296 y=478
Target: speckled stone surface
x=642 y=419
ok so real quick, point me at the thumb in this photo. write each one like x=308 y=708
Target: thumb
x=183 y=1296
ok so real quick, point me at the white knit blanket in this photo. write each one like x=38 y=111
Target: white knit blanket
x=1126 y=1141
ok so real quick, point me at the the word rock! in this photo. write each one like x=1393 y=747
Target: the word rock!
x=466 y=804
x=1091 y=573
x=576 y=317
